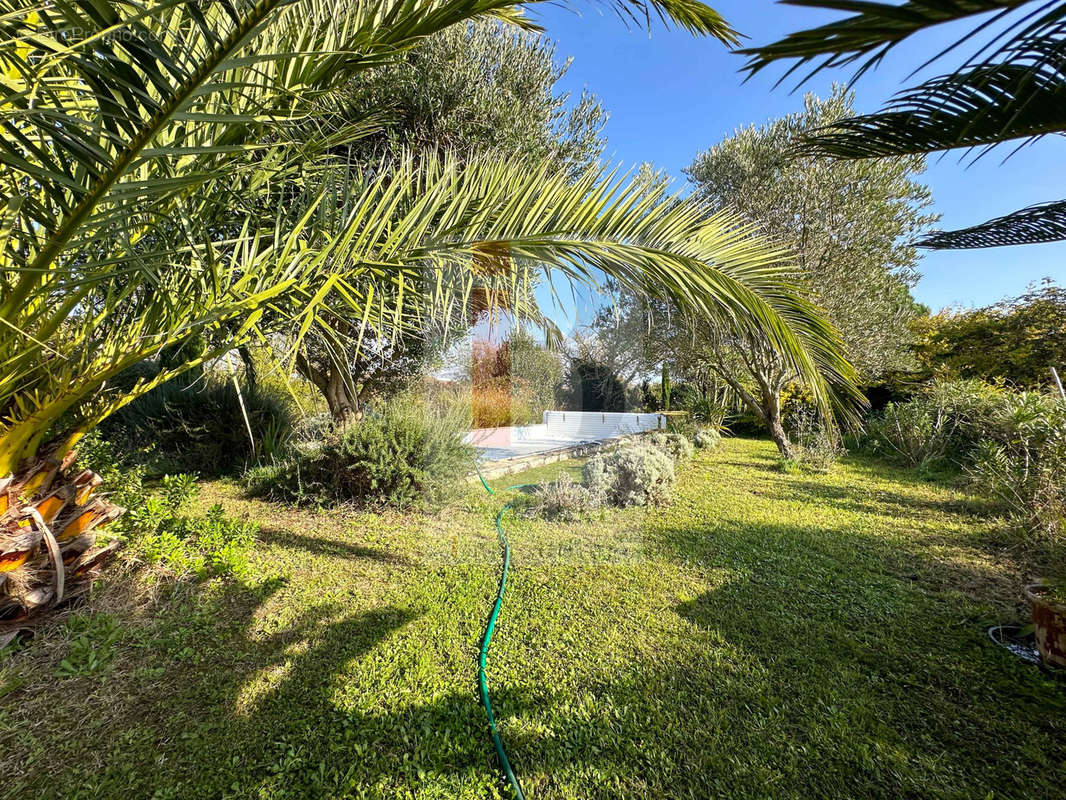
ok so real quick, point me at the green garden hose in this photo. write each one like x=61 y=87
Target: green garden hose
x=486 y=639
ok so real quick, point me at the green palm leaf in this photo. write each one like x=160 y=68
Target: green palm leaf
x=866 y=37
x=1012 y=88
x=1037 y=224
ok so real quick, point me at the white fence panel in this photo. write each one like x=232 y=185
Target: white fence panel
x=596 y=425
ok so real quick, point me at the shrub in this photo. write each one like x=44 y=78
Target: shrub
x=634 y=474
x=676 y=445
x=1012 y=446
x=1023 y=463
x=814 y=446
x=564 y=499
x=707 y=439
x=313 y=427
x=199 y=426
x=400 y=455
x=945 y=422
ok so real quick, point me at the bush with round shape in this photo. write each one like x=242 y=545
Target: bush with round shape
x=676 y=445
x=707 y=439
x=634 y=474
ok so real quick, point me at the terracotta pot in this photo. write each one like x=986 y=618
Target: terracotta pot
x=1049 y=622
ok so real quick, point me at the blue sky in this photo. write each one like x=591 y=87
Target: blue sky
x=670 y=96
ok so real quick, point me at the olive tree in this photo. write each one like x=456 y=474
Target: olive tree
x=850 y=226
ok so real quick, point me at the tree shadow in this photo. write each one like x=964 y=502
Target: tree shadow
x=879 y=501
x=883 y=707
x=327 y=547
x=241 y=702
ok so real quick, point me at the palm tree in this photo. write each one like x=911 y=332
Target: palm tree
x=1012 y=89
x=143 y=146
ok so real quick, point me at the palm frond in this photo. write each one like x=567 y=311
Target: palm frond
x=866 y=37
x=1037 y=224
x=690 y=15
x=646 y=239
x=1023 y=97
x=161 y=177
x=182 y=83
x=1013 y=87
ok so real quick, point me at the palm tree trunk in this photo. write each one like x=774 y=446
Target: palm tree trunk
x=48 y=521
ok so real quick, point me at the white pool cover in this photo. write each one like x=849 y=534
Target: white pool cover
x=560 y=429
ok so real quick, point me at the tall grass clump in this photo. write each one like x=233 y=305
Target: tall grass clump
x=1022 y=463
x=564 y=500
x=815 y=445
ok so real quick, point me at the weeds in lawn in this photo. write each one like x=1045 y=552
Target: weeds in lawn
x=92 y=641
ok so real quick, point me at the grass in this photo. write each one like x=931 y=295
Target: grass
x=766 y=635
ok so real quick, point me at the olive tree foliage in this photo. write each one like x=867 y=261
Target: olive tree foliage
x=479 y=88
x=850 y=226
x=484 y=89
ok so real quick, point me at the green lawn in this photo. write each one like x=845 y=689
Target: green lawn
x=767 y=635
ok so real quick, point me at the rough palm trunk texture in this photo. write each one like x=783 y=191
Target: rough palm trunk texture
x=49 y=516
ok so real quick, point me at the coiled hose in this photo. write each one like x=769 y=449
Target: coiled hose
x=486 y=639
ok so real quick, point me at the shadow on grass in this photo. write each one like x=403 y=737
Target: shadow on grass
x=325 y=546
x=880 y=501
x=816 y=663
x=241 y=704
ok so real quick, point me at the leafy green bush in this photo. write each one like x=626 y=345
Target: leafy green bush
x=634 y=474
x=1023 y=463
x=707 y=439
x=707 y=410
x=199 y=426
x=945 y=422
x=676 y=445
x=564 y=499
x=401 y=455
